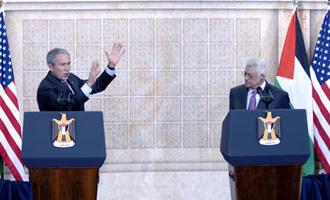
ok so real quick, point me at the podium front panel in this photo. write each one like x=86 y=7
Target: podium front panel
x=38 y=150
x=240 y=143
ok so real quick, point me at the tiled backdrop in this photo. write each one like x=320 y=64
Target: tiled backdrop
x=172 y=84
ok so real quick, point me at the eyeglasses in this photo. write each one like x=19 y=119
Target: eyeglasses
x=250 y=76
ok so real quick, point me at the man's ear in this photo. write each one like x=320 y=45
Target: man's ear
x=51 y=67
x=263 y=77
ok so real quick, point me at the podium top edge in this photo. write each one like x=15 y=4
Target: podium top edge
x=264 y=110
x=63 y=112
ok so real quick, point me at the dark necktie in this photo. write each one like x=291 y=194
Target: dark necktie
x=253 y=101
x=68 y=87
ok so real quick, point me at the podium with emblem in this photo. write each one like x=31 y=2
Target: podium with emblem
x=63 y=152
x=265 y=151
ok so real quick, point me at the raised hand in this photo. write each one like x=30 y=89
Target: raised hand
x=94 y=72
x=115 y=54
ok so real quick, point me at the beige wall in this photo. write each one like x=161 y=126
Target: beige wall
x=163 y=112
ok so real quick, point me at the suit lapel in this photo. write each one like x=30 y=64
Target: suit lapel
x=261 y=104
x=243 y=97
x=73 y=84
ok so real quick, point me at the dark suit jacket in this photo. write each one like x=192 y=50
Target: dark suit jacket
x=238 y=98
x=53 y=95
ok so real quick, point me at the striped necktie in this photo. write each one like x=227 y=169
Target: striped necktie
x=253 y=101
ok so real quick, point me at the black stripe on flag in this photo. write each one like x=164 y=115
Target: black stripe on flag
x=300 y=48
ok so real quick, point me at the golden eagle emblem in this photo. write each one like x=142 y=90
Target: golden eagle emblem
x=63 y=132
x=269 y=130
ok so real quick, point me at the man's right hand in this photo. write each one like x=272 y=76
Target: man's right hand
x=94 y=72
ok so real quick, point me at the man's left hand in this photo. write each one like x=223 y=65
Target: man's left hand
x=115 y=54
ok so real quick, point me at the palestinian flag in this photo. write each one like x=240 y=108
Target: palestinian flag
x=293 y=76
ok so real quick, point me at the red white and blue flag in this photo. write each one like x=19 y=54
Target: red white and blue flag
x=320 y=75
x=10 y=128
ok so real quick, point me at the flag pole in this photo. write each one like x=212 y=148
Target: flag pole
x=295 y=4
x=2 y=5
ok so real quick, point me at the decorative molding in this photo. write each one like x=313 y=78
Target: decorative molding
x=60 y=5
x=158 y=167
x=180 y=155
x=191 y=159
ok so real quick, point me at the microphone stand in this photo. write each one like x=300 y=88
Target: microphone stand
x=266 y=96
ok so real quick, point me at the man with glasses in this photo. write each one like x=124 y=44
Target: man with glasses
x=256 y=92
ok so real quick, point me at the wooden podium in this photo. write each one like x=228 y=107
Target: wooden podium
x=64 y=184
x=264 y=172
x=265 y=182
x=70 y=173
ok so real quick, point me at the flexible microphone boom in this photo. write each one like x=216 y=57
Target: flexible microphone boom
x=266 y=96
x=259 y=91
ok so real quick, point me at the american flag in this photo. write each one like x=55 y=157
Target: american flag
x=320 y=74
x=10 y=129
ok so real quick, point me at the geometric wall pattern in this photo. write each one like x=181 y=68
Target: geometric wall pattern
x=172 y=84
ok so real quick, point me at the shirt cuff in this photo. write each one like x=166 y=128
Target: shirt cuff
x=110 y=72
x=86 y=89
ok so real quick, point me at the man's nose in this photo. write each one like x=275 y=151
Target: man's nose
x=67 y=67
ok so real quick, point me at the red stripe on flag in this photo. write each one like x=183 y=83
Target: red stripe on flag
x=321 y=131
x=11 y=117
x=10 y=164
x=286 y=67
x=11 y=96
x=321 y=106
x=321 y=156
x=326 y=90
x=11 y=141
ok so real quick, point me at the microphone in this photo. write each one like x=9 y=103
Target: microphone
x=64 y=98
x=266 y=95
x=259 y=91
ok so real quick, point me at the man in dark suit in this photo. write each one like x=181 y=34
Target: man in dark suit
x=61 y=90
x=256 y=92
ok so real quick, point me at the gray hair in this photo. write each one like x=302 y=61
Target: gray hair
x=260 y=64
x=51 y=55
